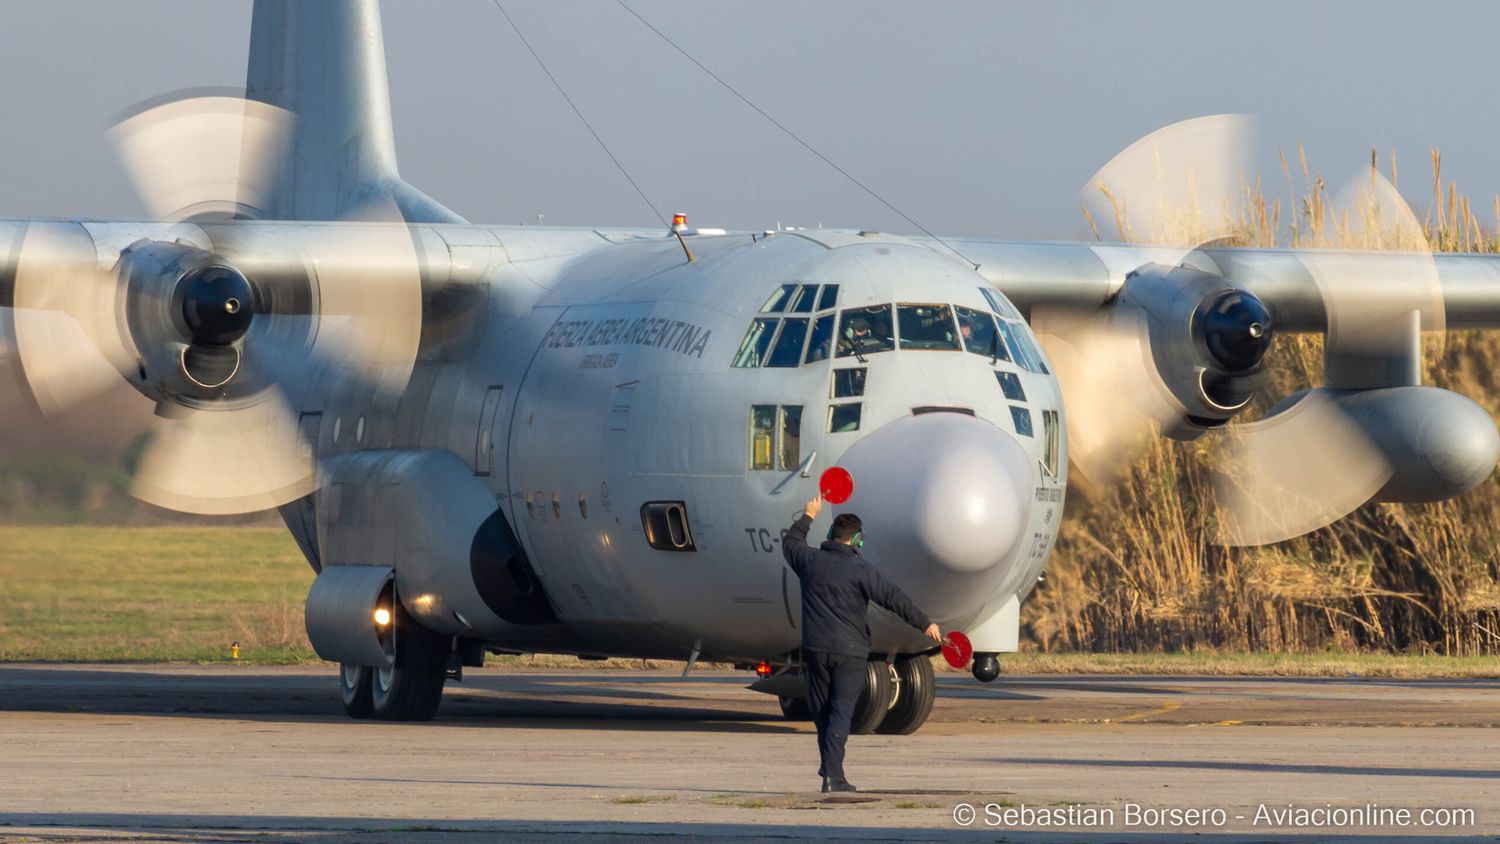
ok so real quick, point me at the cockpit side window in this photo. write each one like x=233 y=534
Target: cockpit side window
x=979 y=334
x=762 y=435
x=788 y=348
x=999 y=303
x=864 y=331
x=821 y=339
x=757 y=340
x=1027 y=355
x=790 y=455
x=927 y=327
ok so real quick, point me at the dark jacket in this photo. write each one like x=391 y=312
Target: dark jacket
x=837 y=587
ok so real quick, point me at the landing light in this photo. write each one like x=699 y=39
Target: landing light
x=382 y=616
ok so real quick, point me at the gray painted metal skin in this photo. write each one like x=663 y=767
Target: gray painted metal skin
x=566 y=376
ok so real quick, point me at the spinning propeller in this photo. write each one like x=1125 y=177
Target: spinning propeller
x=1180 y=351
x=222 y=324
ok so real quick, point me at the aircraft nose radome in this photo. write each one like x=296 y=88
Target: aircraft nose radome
x=944 y=498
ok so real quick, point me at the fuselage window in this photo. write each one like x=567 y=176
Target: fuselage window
x=762 y=435
x=822 y=338
x=978 y=331
x=1050 y=435
x=779 y=300
x=863 y=331
x=791 y=437
x=848 y=383
x=1021 y=416
x=928 y=327
x=802 y=301
x=757 y=340
x=1010 y=384
x=830 y=297
x=843 y=418
x=788 y=348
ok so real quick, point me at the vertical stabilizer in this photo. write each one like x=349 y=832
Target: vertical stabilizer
x=324 y=61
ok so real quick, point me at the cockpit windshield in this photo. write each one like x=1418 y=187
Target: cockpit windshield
x=864 y=331
x=781 y=340
x=927 y=327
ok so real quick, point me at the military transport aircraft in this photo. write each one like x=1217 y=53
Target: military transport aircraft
x=588 y=441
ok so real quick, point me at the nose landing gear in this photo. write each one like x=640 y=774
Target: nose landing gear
x=986 y=667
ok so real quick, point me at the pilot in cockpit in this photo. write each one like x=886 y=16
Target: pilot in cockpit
x=856 y=336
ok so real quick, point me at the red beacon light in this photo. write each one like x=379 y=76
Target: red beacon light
x=763 y=669
x=836 y=484
x=679 y=222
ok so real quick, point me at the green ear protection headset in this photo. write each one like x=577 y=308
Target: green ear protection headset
x=858 y=541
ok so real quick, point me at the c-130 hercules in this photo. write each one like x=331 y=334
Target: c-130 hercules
x=587 y=441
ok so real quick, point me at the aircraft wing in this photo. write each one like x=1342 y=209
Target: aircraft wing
x=1084 y=275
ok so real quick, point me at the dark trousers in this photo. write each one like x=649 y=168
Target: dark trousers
x=834 y=684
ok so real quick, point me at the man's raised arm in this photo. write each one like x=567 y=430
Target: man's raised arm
x=794 y=544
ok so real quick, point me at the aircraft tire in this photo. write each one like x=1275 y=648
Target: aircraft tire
x=354 y=690
x=411 y=689
x=794 y=708
x=875 y=702
x=916 y=689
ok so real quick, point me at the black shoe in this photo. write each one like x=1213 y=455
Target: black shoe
x=837 y=785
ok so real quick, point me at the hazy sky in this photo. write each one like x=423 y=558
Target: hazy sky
x=974 y=118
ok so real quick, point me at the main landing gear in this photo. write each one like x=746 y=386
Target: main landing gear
x=409 y=690
x=896 y=700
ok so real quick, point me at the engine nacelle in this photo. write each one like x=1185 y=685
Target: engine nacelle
x=1207 y=338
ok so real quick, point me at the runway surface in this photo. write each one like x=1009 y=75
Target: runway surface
x=231 y=753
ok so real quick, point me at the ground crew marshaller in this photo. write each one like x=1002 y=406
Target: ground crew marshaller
x=837 y=588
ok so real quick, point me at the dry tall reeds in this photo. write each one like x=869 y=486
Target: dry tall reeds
x=1136 y=567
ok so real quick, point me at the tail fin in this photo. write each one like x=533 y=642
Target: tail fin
x=325 y=62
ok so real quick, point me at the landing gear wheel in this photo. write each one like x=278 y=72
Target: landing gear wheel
x=915 y=691
x=875 y=701
x=795 y=708
x=411 y=689
x=354 y=690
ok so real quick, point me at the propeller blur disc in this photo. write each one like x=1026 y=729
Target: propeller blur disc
x=1115 y=398
x=1178 y=185
x=204 y=155
x=1296 y=471
x=227 y=460
x=68 y=334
